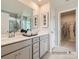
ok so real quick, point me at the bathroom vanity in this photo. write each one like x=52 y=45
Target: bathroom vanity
x=16 y=16
x=25 y=47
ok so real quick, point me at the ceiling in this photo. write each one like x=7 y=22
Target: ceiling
x=41 y=2
x=54 y=2
x=58 y=3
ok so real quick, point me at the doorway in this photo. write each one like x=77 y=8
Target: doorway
x=68 y=30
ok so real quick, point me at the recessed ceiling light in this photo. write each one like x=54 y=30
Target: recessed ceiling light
x=67 y=0
x=39 y=0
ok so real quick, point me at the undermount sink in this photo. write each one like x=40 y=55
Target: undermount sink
x=29 y=35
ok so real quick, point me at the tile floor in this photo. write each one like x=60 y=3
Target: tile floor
x=69 y=44
x=61 y=53
x=60 y=56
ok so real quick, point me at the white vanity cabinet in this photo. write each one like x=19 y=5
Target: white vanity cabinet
x=43 y=45
x=24 y=52
x=36 y=48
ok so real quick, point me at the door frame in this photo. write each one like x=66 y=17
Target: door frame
x=59 y=25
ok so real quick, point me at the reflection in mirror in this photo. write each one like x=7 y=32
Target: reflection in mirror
x=18 y=16
x=13 y=25
x=26 y=23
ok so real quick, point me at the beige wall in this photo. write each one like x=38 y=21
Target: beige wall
x=69 y=19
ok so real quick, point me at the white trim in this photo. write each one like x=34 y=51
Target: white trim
x=59 y=29
x=76 y=30
x=67 y=10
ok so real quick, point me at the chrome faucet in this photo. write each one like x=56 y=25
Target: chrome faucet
x=11 y=34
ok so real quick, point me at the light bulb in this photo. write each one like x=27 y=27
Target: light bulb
x=39 y=0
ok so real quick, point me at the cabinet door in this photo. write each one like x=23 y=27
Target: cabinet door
x=36 y=55
x=25 y=53
x=12 y=56
x=43 y=45
x=46 y=45
x=41 y=48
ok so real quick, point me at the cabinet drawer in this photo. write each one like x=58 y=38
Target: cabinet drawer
x=44 y=37
x=35 y=47
x=13 y=47
x=25 y=53
x=36 y=39
x=36 y=56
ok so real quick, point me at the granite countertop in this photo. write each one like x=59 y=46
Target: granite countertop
x=6 y=40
